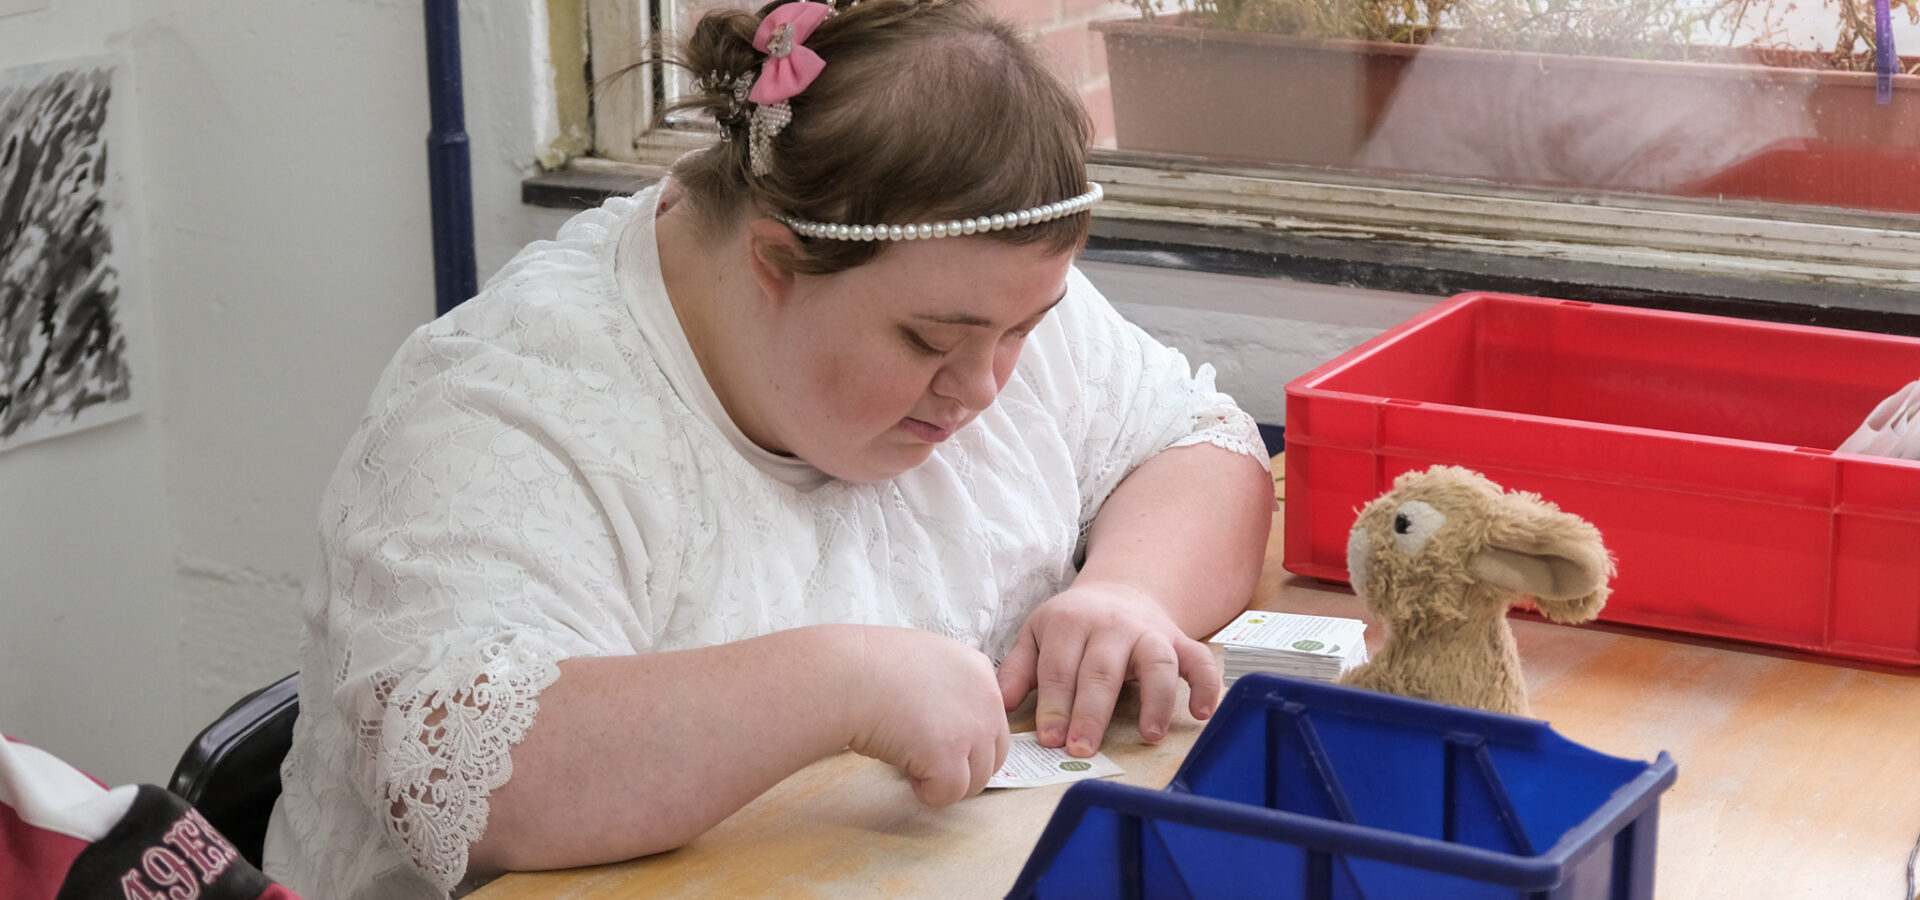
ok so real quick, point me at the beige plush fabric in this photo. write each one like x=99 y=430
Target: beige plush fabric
x=1441 y=557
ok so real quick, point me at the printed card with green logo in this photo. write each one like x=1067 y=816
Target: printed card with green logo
x=1319 y=635
x=1031 y=765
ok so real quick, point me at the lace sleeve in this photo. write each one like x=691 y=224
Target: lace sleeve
x=466 y=551
x=1213 y=418
x=1123 y=397
x=443 y=746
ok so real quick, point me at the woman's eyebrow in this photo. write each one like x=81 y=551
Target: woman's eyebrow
x=967 y=319
x=973 y=321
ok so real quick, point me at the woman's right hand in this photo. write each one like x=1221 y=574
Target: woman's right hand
x=929 y=706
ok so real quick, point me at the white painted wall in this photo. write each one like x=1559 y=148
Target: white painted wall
x=277 y=176
x=276 y=172
x=85 y=569
x=293 y=251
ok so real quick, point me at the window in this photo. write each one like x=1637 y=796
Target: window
x=1688 y=174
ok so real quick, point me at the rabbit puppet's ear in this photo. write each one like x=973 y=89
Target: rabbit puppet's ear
x=1555 y=557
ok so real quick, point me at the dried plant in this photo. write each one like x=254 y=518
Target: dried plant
x=1661 y=29
x=1854 y=50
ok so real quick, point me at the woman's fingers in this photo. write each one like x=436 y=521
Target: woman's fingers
x=1058 y=675
x=948 y=780
x=955 y=777
x=985 y=760
x=1103 y=669
x=1016 y=675
x=1202 y=672
x=1077 y=652
x=1156 y=666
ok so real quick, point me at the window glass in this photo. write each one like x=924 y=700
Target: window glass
x=1768 y=101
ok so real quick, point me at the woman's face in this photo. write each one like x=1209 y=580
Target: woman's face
x=872 y=367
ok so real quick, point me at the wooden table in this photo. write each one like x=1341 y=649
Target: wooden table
x=1798 y=778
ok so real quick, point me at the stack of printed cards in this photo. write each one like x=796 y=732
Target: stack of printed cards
x=1317 y=647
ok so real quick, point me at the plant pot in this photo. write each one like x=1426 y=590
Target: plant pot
x=1729 y=127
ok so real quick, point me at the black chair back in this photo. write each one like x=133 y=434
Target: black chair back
x=231 y=771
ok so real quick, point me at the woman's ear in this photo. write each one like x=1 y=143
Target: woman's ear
x=771 y=249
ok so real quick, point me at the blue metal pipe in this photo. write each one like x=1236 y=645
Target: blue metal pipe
x=449 y=165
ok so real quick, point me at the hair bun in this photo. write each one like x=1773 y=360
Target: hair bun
x=719 y=52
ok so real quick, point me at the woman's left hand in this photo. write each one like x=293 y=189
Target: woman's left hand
x=1080 y=646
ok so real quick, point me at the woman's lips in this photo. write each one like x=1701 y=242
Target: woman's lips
x=925 y=431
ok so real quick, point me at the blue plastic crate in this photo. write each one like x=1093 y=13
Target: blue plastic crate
x=1301 y=789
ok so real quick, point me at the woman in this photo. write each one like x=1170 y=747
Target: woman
x=719 y=482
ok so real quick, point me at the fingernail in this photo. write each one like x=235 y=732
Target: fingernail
x=1082 y=747
x=1205 y=712
x=1050 y=736
x=1153 y=734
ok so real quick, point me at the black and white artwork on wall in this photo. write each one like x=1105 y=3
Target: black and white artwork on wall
x=63 y=340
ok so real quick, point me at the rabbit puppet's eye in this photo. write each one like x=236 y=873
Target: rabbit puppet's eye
x=1413 y=523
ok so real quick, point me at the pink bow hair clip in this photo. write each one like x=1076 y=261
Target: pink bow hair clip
x=790 y=67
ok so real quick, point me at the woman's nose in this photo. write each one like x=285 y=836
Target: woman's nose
x=970 y=382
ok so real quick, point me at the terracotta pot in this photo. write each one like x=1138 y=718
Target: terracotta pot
x=1696 y=128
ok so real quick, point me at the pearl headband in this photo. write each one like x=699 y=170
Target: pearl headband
x=925 y=230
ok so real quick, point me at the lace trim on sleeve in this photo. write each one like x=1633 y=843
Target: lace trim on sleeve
x=1228 y=427
x=449 y=749
x=1215 y=419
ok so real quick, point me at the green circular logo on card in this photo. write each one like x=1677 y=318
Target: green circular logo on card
x=1074 y=765
x=1307 y=645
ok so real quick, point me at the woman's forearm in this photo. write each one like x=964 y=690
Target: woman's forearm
x=1189 y=528
x=631 y=755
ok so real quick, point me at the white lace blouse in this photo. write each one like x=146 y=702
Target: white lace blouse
x=543 y=474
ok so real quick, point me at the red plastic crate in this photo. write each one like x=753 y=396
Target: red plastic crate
x=1700 y=446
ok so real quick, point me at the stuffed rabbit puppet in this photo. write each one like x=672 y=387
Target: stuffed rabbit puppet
x=1441 y=557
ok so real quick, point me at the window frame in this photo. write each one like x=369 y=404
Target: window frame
x=1872 y=258
x=625 y=92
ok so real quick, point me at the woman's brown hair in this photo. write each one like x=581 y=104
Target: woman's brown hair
x=927 y=111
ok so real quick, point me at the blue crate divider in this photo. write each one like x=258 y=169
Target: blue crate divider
x=1302 y=789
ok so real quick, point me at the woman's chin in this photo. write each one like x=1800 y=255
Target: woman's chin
x=882 y=464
